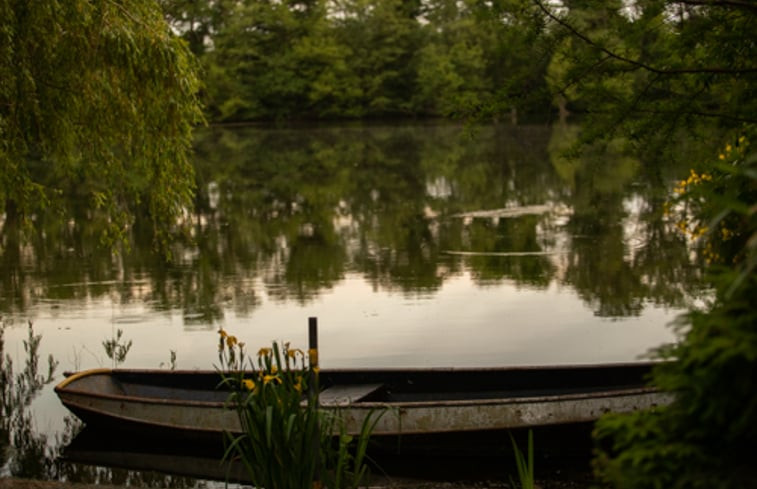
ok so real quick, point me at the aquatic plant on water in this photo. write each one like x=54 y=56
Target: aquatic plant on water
x=117 y=348
x=286 y=441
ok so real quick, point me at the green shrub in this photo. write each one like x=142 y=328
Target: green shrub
x=707 y=436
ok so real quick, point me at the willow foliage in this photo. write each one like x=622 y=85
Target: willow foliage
x=97 y=104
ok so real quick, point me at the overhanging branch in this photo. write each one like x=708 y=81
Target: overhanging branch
x=637 y=63
x=721 y=3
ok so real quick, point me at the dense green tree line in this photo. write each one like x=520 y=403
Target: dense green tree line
x=614 y=60
x=366 y=58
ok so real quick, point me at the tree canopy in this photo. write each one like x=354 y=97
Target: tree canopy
x=317 y=59
x=648 y=69
x=643 y=67
x=97 y=104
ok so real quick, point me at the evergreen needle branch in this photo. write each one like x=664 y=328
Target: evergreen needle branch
x=635 y=62
x=698 y=113
x=750 y=5
x=632 y=107
x=576 y=80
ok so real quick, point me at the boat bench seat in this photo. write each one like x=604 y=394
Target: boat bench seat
x=344 y=395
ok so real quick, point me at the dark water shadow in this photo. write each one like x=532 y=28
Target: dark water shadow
x=561 y=452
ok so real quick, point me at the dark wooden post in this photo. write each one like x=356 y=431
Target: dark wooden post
x=313 y=395
x=313 y=357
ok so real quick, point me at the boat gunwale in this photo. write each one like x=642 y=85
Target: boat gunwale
x=67 y=387
x=388 y=370
x=75 y=376
x=501 y=400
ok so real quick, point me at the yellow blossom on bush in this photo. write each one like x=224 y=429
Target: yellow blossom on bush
x=248 y=384
x=726 y=233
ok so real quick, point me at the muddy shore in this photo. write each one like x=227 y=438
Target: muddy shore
x=15 y=483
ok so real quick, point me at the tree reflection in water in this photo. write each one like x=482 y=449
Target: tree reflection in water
x=289 y=213
x=23 y=452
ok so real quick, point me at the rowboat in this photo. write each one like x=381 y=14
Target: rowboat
x=413 y=401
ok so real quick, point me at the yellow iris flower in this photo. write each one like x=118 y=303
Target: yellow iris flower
x=267 y=379
x=294 y=352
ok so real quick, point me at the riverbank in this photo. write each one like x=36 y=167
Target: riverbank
x=15 y=483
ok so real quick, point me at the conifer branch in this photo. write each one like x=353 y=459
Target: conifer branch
x=750 y=5
x=635 y=62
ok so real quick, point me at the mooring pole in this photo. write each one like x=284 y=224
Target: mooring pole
x=313 y=391
x=313 y=357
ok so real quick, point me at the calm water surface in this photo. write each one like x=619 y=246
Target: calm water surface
x=415 y=246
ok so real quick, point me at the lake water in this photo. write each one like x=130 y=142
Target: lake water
x=415 y=246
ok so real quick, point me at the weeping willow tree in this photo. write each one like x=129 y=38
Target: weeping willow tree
x=97 y=103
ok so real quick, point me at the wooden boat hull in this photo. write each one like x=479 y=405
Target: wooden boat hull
x=412 y=401
x=454 y=416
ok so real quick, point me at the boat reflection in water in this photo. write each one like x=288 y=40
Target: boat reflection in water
x=562 y=451
x=167 y=456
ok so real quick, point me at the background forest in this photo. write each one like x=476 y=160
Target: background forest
x=648 y=68
x=365 y=58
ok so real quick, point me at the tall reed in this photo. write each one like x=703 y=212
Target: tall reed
x=524 y=463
